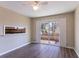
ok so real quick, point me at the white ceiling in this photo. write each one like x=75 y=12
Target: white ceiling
x=52 y=8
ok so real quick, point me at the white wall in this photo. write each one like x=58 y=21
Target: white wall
x=77 y=31
x=12 y=41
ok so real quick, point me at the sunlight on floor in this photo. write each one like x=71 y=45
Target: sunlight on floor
x=50 y=42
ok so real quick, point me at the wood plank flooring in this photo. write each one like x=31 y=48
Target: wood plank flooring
x=41 y=51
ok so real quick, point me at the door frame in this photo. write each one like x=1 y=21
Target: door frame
x=62 y=24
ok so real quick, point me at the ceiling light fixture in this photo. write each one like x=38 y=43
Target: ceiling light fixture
x=36 y=5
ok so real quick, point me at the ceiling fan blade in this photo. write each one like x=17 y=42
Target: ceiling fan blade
x=32 y=2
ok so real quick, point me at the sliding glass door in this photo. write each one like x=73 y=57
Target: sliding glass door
x=49 y=33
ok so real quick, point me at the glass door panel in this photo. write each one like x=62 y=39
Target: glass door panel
x=45 y=33
x=50 y=33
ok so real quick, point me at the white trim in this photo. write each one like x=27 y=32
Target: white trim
x=70 y=47
x=76 y=53
x=14 y=49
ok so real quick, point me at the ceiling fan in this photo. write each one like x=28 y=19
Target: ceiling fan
x=36 y=4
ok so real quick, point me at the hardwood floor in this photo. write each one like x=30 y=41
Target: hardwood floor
x=41 y=51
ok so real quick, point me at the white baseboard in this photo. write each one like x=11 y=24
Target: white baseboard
x=14 y=49
x=54 y=45
x=76 y=53
x=70 y=47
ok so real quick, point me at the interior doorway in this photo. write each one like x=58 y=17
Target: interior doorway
x=50 y=33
